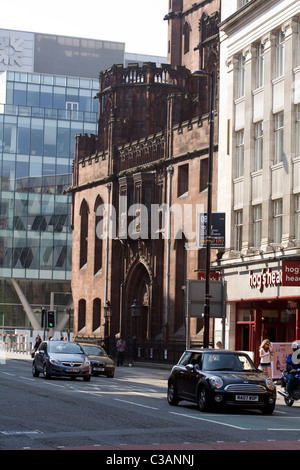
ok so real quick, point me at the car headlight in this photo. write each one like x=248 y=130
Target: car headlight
x=54 y=361
x=216 y=382
x=87 y=363
x=270 y=384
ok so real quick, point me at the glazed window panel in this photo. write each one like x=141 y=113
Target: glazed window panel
x=260 y=70
x=240 y=153
x=278 y=208
x=241 y=76
x=279 y=137
x=37 y=136
x=23 y=135
x=280 y=53
x=259 y=146
x=238 y=230
x=50 y=136
x=257 y=225
x=33 y=95
x=10 y=134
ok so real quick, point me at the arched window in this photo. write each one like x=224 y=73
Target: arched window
x=98 y=234
x=96 y=314
x=81 y=314
x=84 y=228
x=186 y=38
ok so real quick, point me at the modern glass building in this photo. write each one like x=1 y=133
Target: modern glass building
x=39 y=118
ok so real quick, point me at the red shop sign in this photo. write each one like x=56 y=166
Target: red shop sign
x=201 y=275
x=291 y=273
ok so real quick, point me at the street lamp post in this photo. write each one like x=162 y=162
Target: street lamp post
x=107 y=315
x=212 y=76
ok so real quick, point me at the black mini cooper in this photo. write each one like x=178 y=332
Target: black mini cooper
x=214 y=378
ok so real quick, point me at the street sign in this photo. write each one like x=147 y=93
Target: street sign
x=195 y=296
x=217 y=230
x=291 y=273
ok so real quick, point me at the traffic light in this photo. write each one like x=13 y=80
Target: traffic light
x=51 y=318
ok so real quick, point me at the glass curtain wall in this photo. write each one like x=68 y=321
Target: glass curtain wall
x=38 y=123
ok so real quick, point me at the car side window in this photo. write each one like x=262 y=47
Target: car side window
x=185 y=358
x=196 y=360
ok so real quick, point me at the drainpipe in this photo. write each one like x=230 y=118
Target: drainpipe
x=170 y=171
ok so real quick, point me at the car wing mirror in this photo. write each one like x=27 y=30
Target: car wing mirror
x=189 y=367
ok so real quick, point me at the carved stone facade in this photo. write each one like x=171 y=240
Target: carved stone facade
x=141 y=179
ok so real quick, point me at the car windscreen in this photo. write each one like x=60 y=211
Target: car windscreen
x=94 y=351
x=227 y=362
x=64 y=348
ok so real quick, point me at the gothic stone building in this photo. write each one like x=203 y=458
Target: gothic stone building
x=137 y=186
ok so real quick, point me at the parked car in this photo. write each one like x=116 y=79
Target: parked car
x=214 y=378
x=61 y=358
x=100 y=361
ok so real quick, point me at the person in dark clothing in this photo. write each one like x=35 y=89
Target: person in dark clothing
x=291 y=368
x=121 y=347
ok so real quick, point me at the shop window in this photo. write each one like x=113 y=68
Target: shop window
x=244 y=315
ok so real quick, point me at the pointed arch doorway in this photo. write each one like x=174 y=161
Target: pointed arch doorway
x=136 y=323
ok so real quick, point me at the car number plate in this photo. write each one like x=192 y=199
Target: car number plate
x=71 y=369
x=246 y=397
x=99 y=369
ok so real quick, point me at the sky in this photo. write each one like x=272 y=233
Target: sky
x=138 y=23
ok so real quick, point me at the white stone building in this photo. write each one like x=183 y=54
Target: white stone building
x=259 y=170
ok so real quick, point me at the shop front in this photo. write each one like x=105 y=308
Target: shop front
x=263 y=301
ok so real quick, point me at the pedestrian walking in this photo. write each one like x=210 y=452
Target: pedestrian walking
x=266 y=357
x=38 y=341
x=121 y=347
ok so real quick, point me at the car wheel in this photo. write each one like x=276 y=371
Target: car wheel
x=288 y=401
x=110 y=375
x=87 y=379
x=35 y=372
x=45 y=373
x=203 y=399
x=172 y=395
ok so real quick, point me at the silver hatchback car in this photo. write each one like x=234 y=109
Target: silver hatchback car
x=61 y=358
